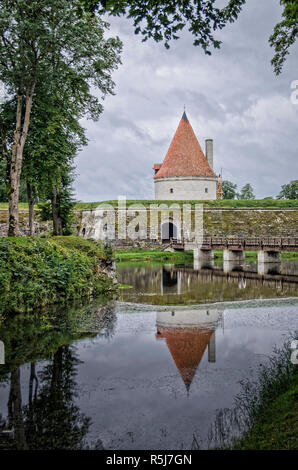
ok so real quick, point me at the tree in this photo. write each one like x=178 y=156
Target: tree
x=7 y=127
x=246 y=192
x=47 y=40
x=162 y=20
x=59 y=204
x=285 y=34
x=3 y=193
x=53 y=420
x=55 y=138
x=289 y=191
x=229 y=190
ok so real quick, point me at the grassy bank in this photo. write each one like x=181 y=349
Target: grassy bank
x=266 y=408
x=38 y=272
x=277 y=425
x=272 y=406
x=228 y=203
x=135 y=255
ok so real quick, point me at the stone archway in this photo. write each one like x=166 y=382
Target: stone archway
x=168 y=231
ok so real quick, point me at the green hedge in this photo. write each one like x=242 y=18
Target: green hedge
x=38 y=272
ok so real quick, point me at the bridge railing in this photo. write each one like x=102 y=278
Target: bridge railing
x=245 y=243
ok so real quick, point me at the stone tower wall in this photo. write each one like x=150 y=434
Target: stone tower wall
x=185 y=188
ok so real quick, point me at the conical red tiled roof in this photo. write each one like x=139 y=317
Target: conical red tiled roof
x=185 y=156
x=187 y=347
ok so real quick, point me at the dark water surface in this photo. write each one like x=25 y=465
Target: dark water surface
x=150 y=370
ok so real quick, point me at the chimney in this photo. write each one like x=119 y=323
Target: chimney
x=212 y=349
x=209 y=151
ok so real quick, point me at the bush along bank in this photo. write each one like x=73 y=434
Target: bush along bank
x=36 y=272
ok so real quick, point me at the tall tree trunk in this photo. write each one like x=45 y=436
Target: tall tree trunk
x=31 y=201
x=15 y=163
x=57 y=222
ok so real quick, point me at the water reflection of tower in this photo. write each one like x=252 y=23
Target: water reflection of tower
x=187 y=334
x=170 y=280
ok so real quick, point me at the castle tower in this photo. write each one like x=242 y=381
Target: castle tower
x=187 y=347
x=186 y=173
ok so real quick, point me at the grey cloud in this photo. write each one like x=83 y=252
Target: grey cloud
x=232 y=96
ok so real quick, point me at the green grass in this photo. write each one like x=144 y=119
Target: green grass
x=266 y=409
x=36 y=272
x=89 y=248
x=153 y=255
x=271 y=405
x=22 y=206
x=228 y=203
x=140 y=255
x=277 y=426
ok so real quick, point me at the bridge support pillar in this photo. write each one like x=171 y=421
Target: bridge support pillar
x=229 y=266
x=198 y=264
x=269 y=268
x=203 y=255
x=232 y=260
x=269 y=256
x=233 y=255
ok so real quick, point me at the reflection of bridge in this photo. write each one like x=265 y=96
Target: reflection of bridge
x=269 y=248
x=209 y=274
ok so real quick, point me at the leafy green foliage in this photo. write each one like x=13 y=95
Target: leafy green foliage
x=46 y=40
x=3 y=191
x=164 y=20
x=246 y=192
x=285 y=34
x=229 y=190
x=50 y=55
x=38 y=272
x=3 y=188
x=289 y=191
x=65 y=204
x=31 y=336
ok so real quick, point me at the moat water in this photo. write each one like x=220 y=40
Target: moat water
x=154 y=368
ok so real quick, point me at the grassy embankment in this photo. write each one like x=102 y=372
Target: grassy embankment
x=271 y=406
x=158 y=256
x=266 y=203
x=42 y=271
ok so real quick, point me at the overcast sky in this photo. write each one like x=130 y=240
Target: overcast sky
x=233 y=97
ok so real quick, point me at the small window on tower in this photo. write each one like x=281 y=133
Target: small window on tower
x=206 y=190
x=171 y=190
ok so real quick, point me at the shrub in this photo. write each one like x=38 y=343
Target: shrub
x=38 y=272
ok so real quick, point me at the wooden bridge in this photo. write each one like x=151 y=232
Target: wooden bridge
x=269 y=244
